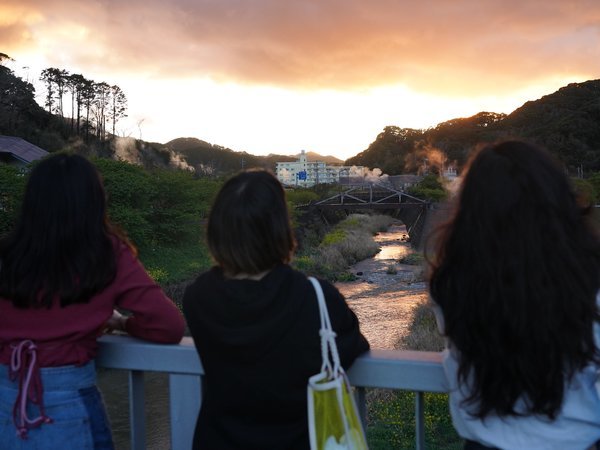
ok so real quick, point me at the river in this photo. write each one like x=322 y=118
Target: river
x=383 y=297
x=386 y=292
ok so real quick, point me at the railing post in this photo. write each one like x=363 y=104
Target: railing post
x=137 y=419
x=185 y=396
x=419 y=415
x=360 y=395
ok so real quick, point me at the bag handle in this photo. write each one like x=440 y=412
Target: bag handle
x=327 y=334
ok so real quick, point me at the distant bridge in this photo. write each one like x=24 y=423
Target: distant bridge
x=370 y=196
x=412 y=211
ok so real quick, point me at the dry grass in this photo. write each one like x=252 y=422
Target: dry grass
x=357 y=245
x=349 y=242
x=423 y=334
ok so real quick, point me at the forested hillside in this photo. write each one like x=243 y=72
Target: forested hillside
x=567 y=122
x=209 y=159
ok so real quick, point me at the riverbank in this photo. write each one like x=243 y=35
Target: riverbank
x=386 y=293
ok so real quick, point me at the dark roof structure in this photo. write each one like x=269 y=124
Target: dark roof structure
x=20 y=150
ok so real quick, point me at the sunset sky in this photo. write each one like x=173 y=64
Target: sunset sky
x=278 y=76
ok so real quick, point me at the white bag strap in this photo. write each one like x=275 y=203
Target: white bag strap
x=327 y=334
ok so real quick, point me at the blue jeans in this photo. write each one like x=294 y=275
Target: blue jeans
x=71 y=400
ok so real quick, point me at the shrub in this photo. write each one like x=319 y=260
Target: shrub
x=346 y=276
x=413 y=259
x=585 y=192
x=423 y=334
x=161 y=207
x=12 y=188
x=300 y=196
x=370 y=223
x=333 y=237
x=357 y=246
x=429 y=188
x=349 y=242
x=594 y=180
x=331 y=257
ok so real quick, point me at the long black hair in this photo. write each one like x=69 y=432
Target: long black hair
x=249 y=228
x=63 y=244
x=516 y=274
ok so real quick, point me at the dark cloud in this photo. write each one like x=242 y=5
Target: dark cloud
x=461 y=46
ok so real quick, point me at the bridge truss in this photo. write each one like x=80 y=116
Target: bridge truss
x=370 y=196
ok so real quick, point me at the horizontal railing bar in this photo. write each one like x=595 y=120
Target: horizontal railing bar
x=129 y=353
x=399 y=369
x=390 y=369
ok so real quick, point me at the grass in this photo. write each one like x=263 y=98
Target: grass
x=422 y=332
x=392 y=413
x=168 y=265
x=174 y=267
x=412 y=259
x=392 y=422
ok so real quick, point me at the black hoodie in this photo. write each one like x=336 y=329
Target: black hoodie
x=259 y=343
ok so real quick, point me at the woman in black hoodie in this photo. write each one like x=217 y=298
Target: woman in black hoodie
x=255 y=322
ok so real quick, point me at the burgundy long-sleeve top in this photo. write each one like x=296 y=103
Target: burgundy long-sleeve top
x=68 y=335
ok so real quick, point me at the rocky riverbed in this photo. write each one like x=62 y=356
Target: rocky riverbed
x=385 y=294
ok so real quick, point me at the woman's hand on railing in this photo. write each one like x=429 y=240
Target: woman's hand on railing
x=116 y=322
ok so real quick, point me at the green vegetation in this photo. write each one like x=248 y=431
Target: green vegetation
x=594 y=180
x=171 y=265
x=348 y=242
x=412 y=259
x=297 y=197
x=429 y=188
x=335 y=236
x=301 y=196
x=12 y=186
x=160 y=210
x=392 y=422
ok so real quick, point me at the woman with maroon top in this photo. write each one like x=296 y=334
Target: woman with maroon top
x=63 y=271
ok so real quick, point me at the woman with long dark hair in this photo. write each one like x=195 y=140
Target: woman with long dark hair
x=255 y=323
x=63 y=270
x=515 y=280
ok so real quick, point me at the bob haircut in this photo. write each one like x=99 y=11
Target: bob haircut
x=516 y=274
x=63 y=244
x=249 y=227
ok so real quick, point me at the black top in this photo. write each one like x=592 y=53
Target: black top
x=259 y=343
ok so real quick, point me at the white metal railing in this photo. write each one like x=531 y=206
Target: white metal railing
x=390 y=369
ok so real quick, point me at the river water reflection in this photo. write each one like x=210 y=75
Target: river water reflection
x=383 y=297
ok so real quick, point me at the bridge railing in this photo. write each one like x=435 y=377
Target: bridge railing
x=402 y=370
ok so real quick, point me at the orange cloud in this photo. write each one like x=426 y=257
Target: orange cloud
x=441 y=47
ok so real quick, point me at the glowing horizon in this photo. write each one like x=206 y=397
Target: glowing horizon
x=324 y=77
